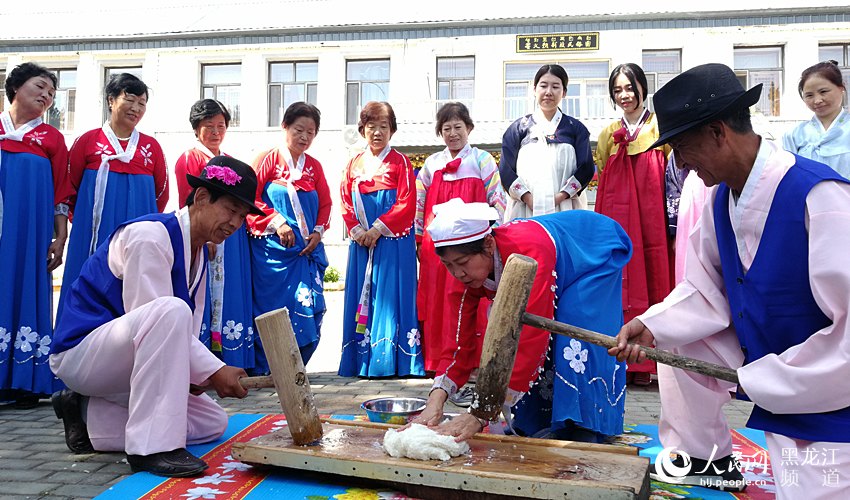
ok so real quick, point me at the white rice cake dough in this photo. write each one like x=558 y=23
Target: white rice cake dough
x=422 y=443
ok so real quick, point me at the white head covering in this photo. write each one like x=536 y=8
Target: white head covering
x=456 y=222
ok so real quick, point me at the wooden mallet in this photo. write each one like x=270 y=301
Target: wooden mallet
x=507 y=318
x=289 y=377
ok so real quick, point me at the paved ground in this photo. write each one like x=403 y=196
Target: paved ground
x=34 y=462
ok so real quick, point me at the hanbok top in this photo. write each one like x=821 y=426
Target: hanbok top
x=699 y=307
x=831 y=146
x=545 y=157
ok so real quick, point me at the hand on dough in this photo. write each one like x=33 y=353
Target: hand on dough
x=462 y=427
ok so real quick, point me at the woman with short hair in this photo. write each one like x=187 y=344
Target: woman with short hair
x=288 y=258
x=117 y=174
x=227 y=328
x=33 y=208
x=380 y=334
x=458 y=171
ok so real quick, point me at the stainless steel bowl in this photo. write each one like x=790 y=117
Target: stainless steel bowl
x=393 y=410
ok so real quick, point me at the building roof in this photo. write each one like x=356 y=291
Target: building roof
x=61 y=20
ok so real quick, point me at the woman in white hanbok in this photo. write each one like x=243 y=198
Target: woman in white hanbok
x=546 y=159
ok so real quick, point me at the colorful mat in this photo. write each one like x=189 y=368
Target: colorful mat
x=229 y=479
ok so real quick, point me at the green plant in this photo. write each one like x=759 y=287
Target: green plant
x=331 y=275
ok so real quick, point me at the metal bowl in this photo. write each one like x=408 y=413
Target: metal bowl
x=393 y=410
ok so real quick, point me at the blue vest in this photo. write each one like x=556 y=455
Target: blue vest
x=772 y=304
x=96 y=297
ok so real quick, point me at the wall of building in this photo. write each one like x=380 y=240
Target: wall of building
x=174 y=75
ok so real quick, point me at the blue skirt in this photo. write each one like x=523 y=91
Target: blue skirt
x=282 y=278
x=237 y=321
x=127 y=196
x=581 y=384
x=392 y=343
x=26 y=325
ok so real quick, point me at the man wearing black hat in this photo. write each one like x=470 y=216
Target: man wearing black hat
x=128 y=338
x=766 y=291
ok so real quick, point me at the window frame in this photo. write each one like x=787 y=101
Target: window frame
x=308 y=87
x=235 y=110
x=582 y=101
x=770 y=97
x=69 y=95
x=653 y=77
x=349 y=84
x=451 y=80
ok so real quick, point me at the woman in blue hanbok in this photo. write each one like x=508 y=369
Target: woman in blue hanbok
x=380 y=333
x=559 y=387
x=227 y=328
x=33 y=230
x=826 y=137
x=288 y=259
x=117 y=172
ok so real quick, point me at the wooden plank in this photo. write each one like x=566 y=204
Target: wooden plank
x=552 y=443
x=524 y=470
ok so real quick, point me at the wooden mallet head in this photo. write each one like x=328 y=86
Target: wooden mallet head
x=290 y=376
x=502 y=336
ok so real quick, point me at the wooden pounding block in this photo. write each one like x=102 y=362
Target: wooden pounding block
x=290 y=376
x=502 y=336
x=504 y=468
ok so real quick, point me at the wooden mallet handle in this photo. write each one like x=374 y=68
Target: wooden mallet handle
x=663 y=357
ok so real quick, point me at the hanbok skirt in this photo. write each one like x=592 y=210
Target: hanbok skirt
x=581 y=384
x=282 y=278
x=439 y=325
x=26 y=324
x=127 y=196
x=234 y=343
x=391 y=344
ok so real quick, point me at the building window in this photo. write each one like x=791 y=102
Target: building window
x=365 y=81
x=660 y=67
x=109 y=73
x=586 y=96
x=2 y=91
x=841 y=55
x=291 y=82
x=455 y=80
x=223 y=82
x=61 y=114
x=755 y=65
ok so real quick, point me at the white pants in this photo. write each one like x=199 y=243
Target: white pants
x=136 y=371
x=692 y=421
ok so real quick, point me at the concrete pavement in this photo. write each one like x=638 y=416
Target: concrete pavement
x=34 y=462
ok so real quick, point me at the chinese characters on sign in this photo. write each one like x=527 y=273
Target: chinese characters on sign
x=557 y=42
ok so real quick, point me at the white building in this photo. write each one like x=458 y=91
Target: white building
x=258 y=56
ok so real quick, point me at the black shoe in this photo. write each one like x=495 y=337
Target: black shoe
x=174 y=463
x=68 y=406
x=723 y=474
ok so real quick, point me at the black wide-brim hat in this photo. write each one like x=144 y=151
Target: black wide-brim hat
x=229 y=176
x=698 y=96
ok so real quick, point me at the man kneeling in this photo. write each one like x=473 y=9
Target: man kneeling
x=128 y=337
